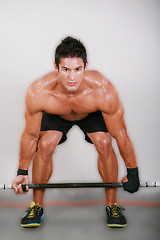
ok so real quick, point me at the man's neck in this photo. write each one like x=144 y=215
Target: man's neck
x=69 y=93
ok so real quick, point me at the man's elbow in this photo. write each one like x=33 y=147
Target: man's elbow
x=121 y=136
x=122 y=139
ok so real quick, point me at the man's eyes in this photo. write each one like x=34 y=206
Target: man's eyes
x=67 y=69
x=78 y=69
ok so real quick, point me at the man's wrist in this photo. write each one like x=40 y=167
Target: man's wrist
x=22 y=172
x=132 y=185
x=132 y=170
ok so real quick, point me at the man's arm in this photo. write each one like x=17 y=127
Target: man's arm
x=117 y=128
x=113 y=112
x=29 y=140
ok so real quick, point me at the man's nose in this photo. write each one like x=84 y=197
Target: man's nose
x=72 y=75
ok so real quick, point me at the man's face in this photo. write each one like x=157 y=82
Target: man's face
x=71 y=73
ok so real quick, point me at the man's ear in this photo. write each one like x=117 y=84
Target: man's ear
x=86 y=65
x=55 y=65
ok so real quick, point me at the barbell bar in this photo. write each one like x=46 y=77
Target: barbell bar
x=78 y=185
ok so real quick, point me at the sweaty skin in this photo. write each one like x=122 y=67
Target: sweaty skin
x=72 y=92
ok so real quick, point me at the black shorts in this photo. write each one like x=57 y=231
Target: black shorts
x=94 y=122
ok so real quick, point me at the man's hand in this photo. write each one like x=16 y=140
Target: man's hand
x=131 y=181
x=17 y=184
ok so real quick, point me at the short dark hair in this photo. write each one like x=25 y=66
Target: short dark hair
x=70 y=47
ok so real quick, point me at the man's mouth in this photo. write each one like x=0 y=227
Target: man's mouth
x=72 y=83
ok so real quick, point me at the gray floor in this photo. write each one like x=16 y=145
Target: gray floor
x=85 y=222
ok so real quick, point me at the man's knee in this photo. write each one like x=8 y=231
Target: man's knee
x=103 y=146
x=102 y=143
x=48 y=143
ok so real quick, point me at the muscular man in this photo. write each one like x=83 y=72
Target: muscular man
x=54 y=103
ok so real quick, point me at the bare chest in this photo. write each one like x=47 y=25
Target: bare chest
x=72 y=108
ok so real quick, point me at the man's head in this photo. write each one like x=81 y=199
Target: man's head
x=70 y=48
x=70 y=62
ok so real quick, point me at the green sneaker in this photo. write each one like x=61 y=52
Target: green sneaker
x=115 y=218
x=33 y=217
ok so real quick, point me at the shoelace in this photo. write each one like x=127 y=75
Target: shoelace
x=32 y=211
x=116 y=210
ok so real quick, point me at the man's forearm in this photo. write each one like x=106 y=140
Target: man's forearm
x=27 y=149
x=127 y=151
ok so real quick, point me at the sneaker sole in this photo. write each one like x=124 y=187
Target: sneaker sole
x=32 y=225
x=116 y=225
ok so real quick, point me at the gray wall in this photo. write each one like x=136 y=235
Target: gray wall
x=122 y=40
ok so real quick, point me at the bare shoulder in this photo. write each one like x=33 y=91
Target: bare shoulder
x=95 y=77
x=36 y=91
x=99 y=81
x=107 y=95
x=44 y=82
